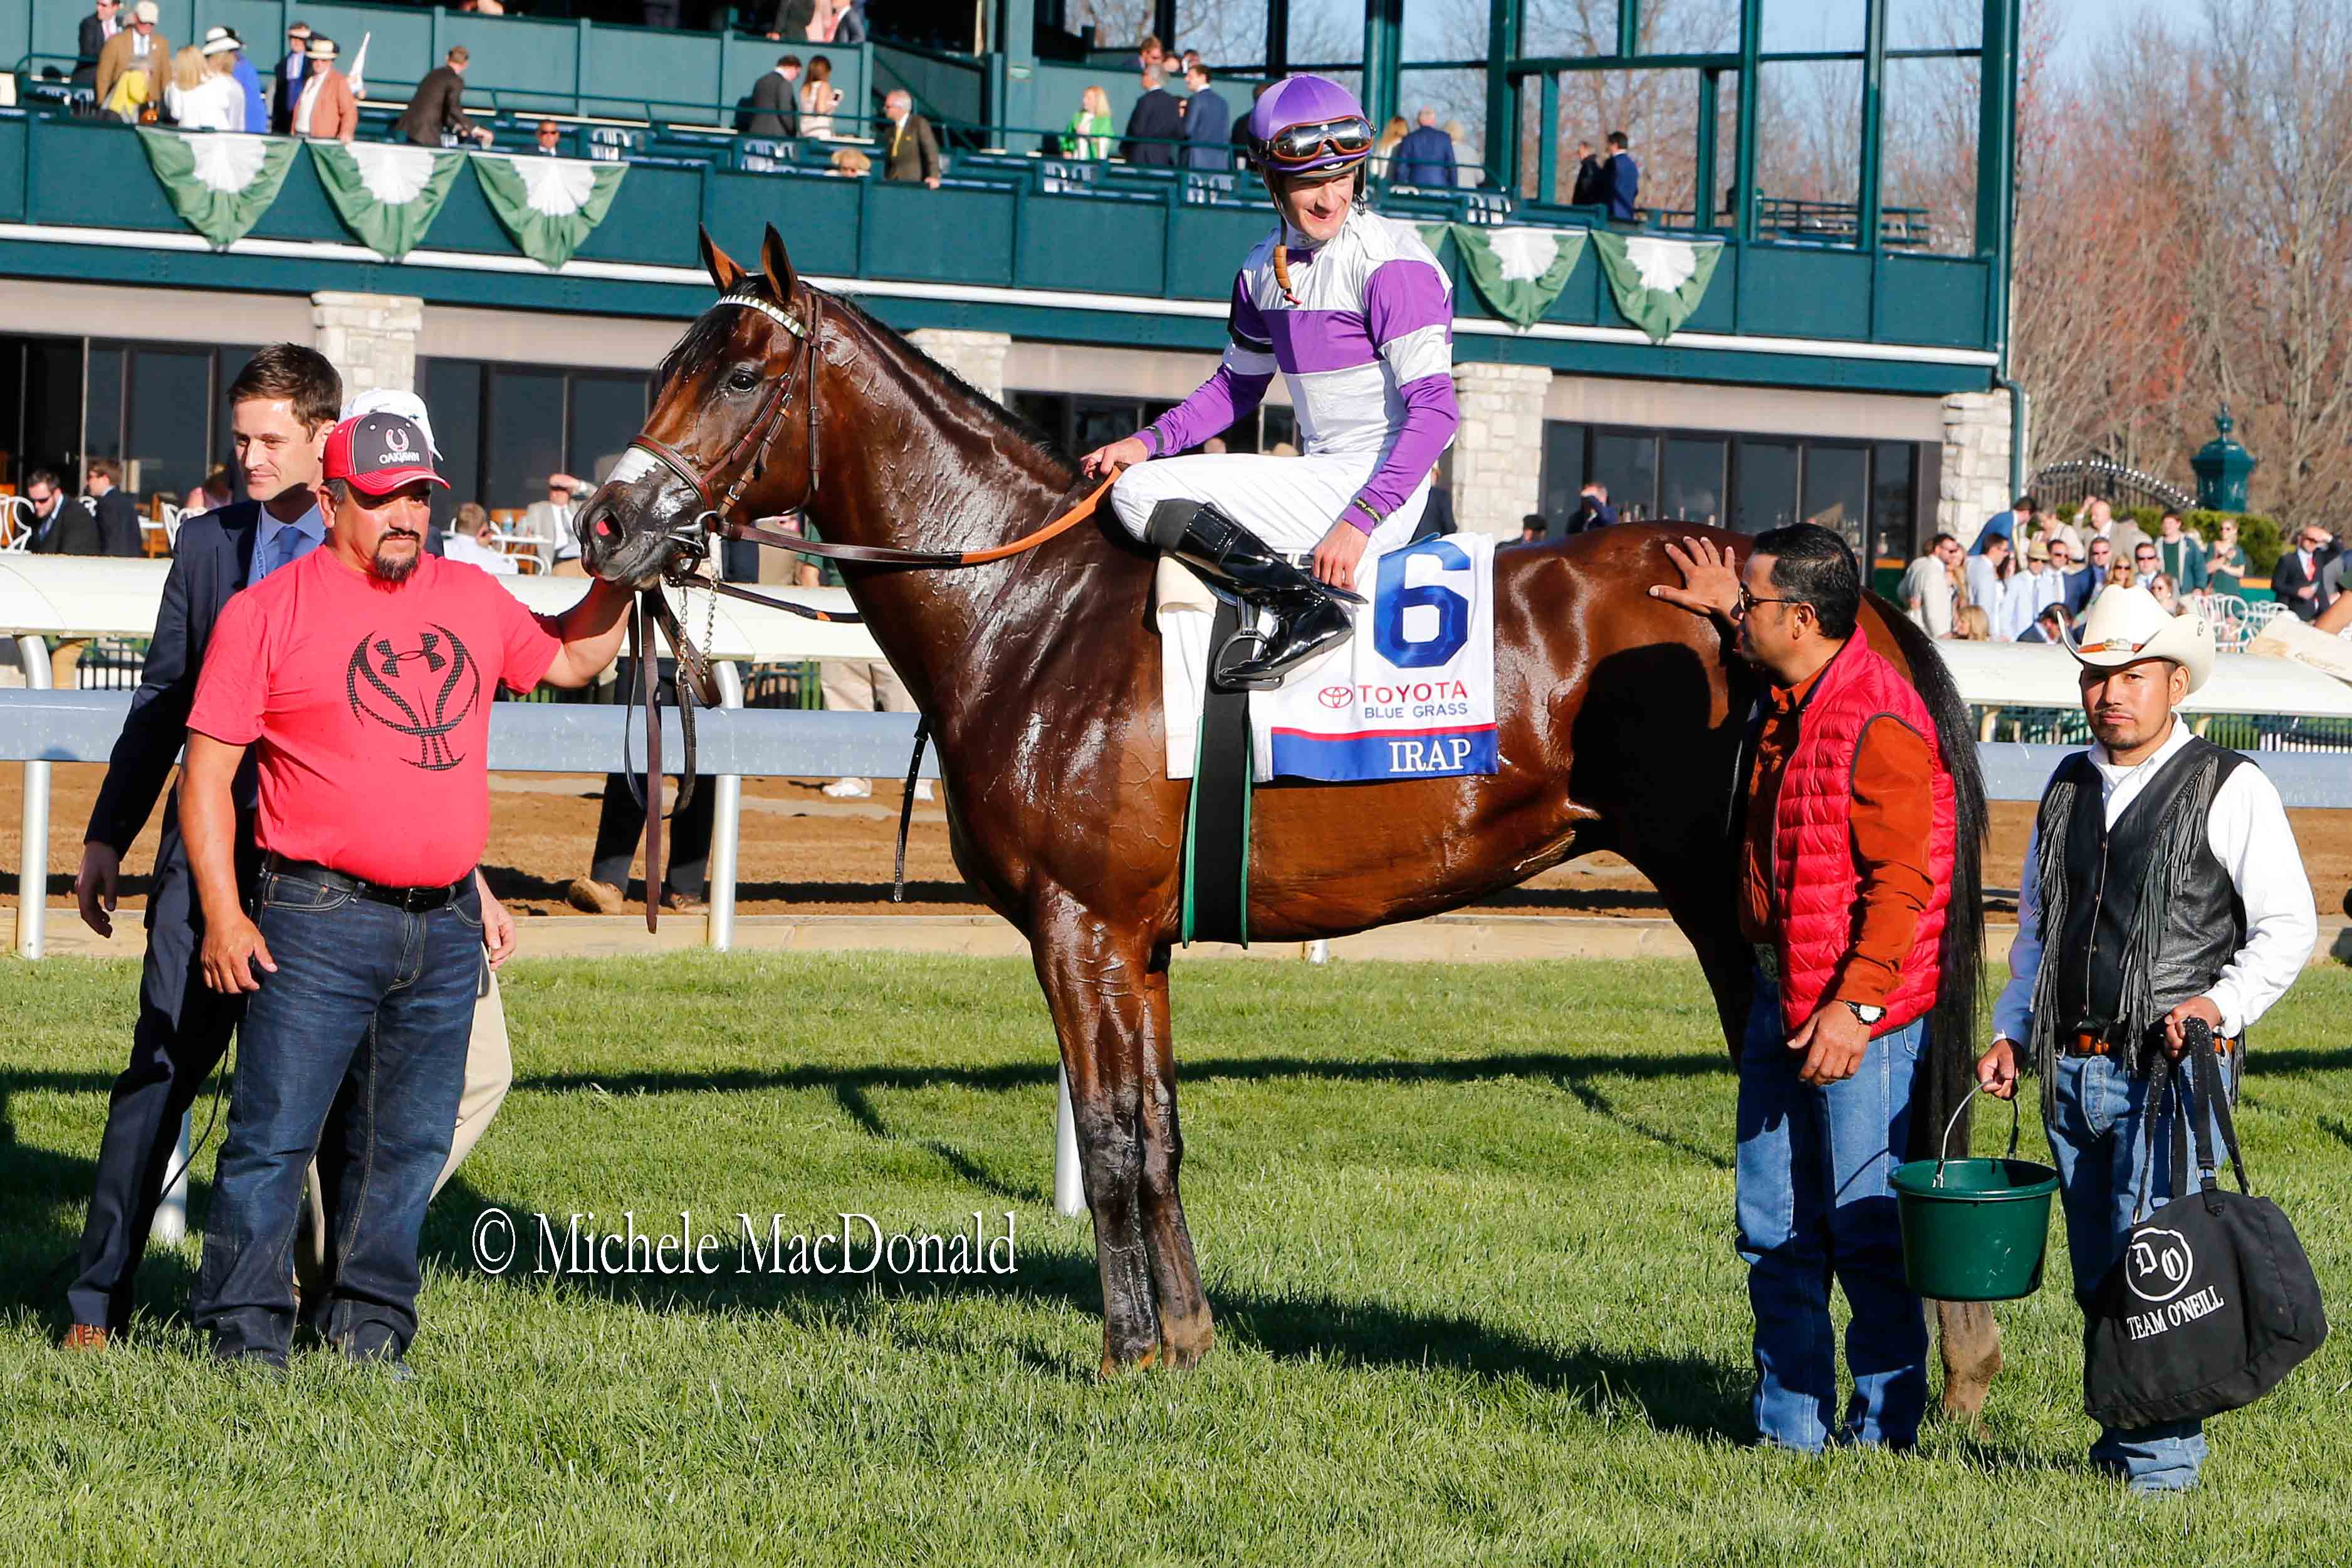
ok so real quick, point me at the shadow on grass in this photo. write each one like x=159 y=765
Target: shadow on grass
x=1681 y=1394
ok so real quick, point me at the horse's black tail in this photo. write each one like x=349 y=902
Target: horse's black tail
x=1952 y=1026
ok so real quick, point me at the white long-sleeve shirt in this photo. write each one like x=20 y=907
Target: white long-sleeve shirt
x=2251 y=836
x=2025 y=595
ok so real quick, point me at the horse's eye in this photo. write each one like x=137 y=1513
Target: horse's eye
x=743 y=380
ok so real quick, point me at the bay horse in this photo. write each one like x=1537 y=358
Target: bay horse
x=1619 y=718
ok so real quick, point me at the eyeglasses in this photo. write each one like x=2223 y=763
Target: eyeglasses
x=1350 y=138
x=1748 y=601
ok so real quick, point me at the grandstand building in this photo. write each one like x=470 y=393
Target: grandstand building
x=1748 y=361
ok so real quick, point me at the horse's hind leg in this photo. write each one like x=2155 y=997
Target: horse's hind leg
x=1095 y=985
x=1970 y=1341
x=1185 y=1332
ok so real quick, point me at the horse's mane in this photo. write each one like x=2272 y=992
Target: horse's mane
x=706 y=338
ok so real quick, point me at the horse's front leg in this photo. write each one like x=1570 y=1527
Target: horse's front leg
x=1185 y=1331
x=1096 y=982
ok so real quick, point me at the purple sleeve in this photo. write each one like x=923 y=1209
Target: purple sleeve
x=1237 y=387
x=1411 y=322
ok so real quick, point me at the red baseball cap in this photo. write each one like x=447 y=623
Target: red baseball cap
x=378 y=453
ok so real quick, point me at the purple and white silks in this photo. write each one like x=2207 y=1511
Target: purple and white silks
x=1367 y=348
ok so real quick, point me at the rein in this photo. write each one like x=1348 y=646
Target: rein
x=653 y=607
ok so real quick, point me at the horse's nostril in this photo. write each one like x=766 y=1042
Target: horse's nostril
x=603 y=528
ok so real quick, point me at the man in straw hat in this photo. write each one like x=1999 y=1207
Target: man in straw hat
x=2161 y=884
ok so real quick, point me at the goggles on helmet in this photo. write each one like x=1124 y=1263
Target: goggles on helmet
x=1297 y=144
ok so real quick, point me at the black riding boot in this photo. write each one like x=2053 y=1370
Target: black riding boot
x=1308 y=616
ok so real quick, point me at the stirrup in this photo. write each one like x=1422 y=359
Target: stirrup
x=1221 y=667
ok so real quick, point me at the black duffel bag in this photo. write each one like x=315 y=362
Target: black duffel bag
x=2213 y=1301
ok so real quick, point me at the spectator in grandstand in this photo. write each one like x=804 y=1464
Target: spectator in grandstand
x=326 y=109
x=1624 y=190
x=775 y=100
x=849 y=22
x=2225 y=564
x=1149 y=55
x=1089 y=132
x=61 y=525
x=289 y=78
x=2164 y=593
x=2016 y=525
x=2119 y=577
x=203 y=96
x=134 y=64
x=549 y=139
x=97 y=29
x=818 y=98
x=116 y=510
x=2048 y=626
x=851 y=164
x=1971 y=624
x=913 y=151
x=1988 y=572
x=548 y=523
x=2083 y=583
x=438 y=112
x=1592 y=510
x=218 y=488
x=224 y=41
x=2099 y=519
x=1154 y=126
x=2181 y=552
x=2296 y=580
x=2027 y=593
x=2145 y=564
x=1928 y=587
x=1425 y=157
x=1592 y=187
x=1534 y=529
x=475 y=542
x=1208 y=121
x=1382 y=162
x=1467 y=172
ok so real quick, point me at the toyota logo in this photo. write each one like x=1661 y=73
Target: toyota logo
x=1335 y=697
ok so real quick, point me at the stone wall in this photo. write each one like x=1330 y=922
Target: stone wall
x=370 y=338
x=1975 y=483
x=1498 y=450
x=977 y=357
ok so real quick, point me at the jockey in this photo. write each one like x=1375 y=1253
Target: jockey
x=1356 y=312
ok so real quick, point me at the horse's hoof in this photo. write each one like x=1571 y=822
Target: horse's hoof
x=1187 y=1339
x=1115 y=1365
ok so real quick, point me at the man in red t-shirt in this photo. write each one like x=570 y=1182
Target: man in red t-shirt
x=362 y=677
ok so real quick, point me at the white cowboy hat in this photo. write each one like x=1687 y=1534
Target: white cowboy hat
x=221 y=41
x=321 y=49
x=2126 y=626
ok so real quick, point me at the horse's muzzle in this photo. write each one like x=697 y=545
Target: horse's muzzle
x=636 y=525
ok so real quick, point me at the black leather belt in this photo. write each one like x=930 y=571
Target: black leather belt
x=2091 y=1043
x=414 y=900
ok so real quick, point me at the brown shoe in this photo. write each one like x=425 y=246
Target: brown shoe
x=592 y=897
x=85 y=1337
x=678 y=903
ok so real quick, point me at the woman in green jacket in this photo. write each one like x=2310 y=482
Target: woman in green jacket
x=1090 y=133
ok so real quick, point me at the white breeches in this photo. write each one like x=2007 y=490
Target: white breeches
x=1289 y=502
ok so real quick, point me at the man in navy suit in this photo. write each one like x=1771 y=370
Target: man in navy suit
x=2299 y=580
x=282 y=407
x=1620 y=179
x=1155 y=126
x=292 y=71
x=1208 y=124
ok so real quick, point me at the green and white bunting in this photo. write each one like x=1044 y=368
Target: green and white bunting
x=551 y=206
x=221 y=182
x=388 y=192
x=1658 y=281
x=1518 y=271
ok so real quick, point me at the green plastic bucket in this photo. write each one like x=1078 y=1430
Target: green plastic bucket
x=1974 y=1230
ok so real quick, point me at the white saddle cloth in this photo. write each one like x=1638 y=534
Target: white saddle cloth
x=1410 y=696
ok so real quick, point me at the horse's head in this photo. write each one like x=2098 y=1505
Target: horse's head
x=733 y=426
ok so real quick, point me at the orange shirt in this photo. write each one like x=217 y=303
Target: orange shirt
x=1891 y=822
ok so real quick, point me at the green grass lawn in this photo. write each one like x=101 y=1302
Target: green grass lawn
x=1467 y=1232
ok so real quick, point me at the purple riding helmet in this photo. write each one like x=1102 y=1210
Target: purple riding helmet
x=1308 y=125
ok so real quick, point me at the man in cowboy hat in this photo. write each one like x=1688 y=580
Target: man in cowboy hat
x=2161 y=884
x=325 y=108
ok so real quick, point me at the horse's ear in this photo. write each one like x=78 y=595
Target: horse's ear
x=778 y=266
x=721 y=266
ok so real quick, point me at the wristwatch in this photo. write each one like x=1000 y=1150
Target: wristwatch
x=1866 y=1012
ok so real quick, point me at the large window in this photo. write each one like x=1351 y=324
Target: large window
x=40 y=406
x=504 y=428
x=1747 y=483
x=1078 y=425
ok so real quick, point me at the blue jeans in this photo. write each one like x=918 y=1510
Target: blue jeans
x=381 y=998
x=2100 y=1136
x=1814 y=1201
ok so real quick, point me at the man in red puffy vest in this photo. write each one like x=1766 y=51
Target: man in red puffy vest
x=1846 y=858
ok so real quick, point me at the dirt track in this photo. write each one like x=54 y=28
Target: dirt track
x=803 y=854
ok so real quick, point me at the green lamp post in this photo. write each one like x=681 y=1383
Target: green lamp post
x=2221 y=468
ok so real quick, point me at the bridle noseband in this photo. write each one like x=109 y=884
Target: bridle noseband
x=751 y=450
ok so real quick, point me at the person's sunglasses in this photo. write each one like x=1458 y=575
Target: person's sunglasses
x=1748 y=601
x=1349 y=138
